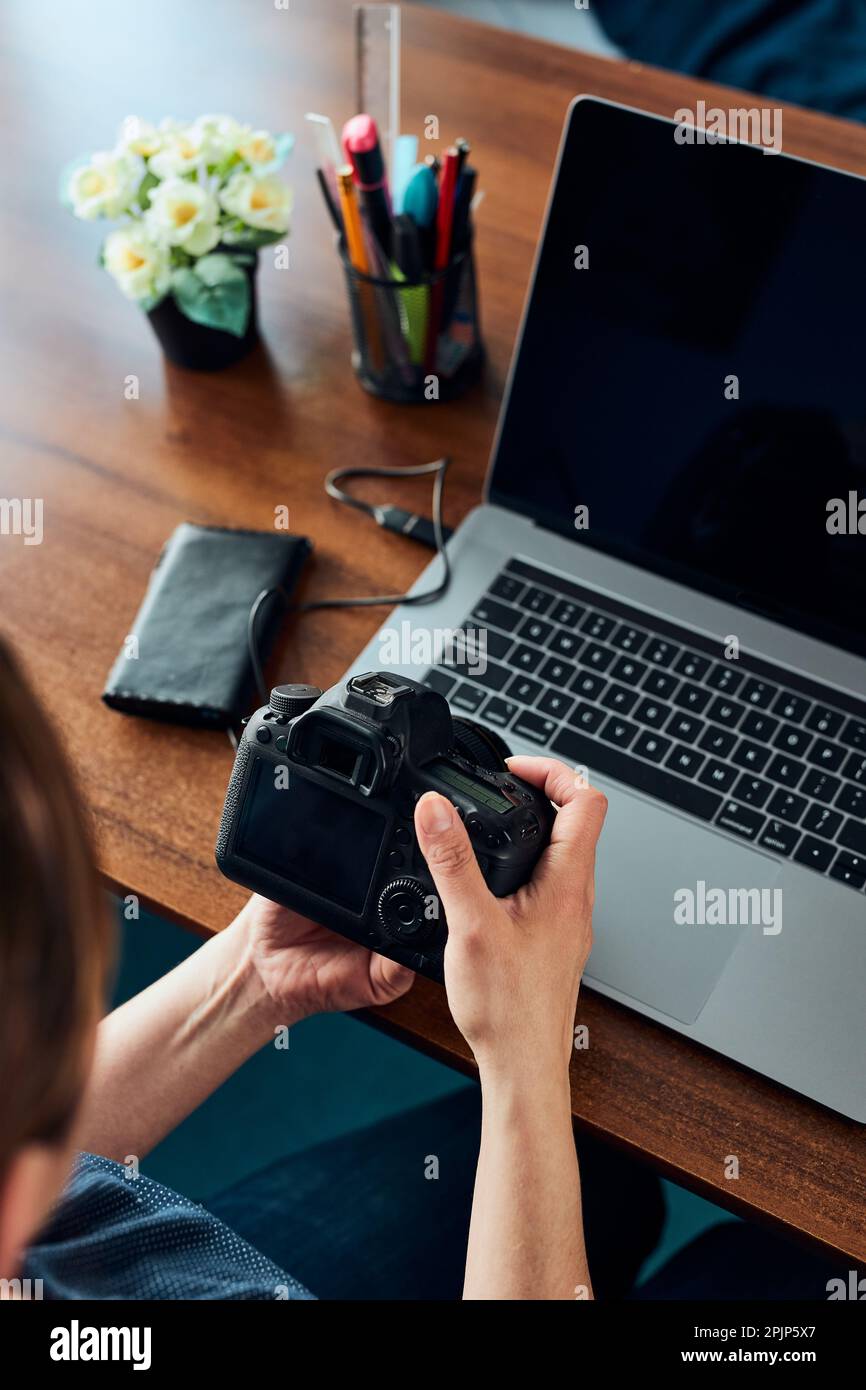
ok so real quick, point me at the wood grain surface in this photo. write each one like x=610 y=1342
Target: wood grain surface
x=117 y=475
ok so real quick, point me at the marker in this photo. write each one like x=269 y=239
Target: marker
x=364 y=154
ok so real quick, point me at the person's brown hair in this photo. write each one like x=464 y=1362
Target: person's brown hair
x=56 y=935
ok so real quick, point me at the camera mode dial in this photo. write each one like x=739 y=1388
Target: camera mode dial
x=402 y=911
x=292 y=700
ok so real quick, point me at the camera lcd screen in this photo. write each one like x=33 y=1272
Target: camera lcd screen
x=311 y=836
x=455 y=777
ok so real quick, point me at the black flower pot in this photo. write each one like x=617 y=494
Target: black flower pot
x=201 y=349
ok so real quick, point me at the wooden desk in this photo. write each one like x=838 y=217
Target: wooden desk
x=117 y=475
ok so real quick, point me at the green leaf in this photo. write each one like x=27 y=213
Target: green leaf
x=216 y=293
x=142 y=197
x=250 y=238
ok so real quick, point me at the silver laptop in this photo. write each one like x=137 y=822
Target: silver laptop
x=666 y=583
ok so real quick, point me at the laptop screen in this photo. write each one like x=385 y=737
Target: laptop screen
x=692 y=370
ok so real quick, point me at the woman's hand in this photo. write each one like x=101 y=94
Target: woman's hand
x=513 y=965
x=306 y=969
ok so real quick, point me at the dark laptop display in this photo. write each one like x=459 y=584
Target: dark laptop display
x=622 y=399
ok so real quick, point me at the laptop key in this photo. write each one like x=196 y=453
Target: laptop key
x=507 y=587
x=440 y=681
x=820 y=785
x=721 y=776
x=691 y=697
x=816 y=853
x=661 y=653
x=489 y=610
x=493 y=677
x=606 y=760
x=829 y=756
x=752 y=791
x=534 y=726
x=587 y=717
x=534 y=629
x=555 y=704
x=565 y=643
x=725 y=679
x=844 y=875
x=660 y=684
x=853 y=836
x=751 y=756
x=794 y=708
x=822 y=821
x=629 y=639
x=619 y=731
x=527 y=658
x=786 y=770
x=685 y=727
x=740 y=820
x=498 y=711
x=854 y=734
x=759 y=693
x=619 y=698
x=556 y=671
x=523 y=689
x=855 y=769
x=683 y=760
x=727 y=712
x=823 y=720
x=693 y=666
x=652 y=746
x=652 y=712
x=588 y=684
x=486 y=639
x=792 y=740
x=625 y=668
x=599 y=658
x=758 y=725
x=536 y=600
x=856 y=863
x=598 y=626
x=787 y=806
x=568 y=614
x=779 y=837
x=852 y=800
x=718 y=741
x=466 y=697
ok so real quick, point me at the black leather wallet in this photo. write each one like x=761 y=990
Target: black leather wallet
x=187 y=658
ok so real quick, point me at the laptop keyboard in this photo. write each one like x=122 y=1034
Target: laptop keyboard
x=758 y=753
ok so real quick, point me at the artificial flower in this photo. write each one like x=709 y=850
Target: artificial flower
x=105 y=186
x=139 y=264
x=184 y=214
x=263 y=203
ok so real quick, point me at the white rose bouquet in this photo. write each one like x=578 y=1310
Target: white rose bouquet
x=185 y=189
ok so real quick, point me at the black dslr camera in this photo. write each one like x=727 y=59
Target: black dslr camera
x=319 y=811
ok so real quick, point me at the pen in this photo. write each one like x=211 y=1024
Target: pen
x=444 y=226
x=357 y=252
x=408 y=265
x=329 y=201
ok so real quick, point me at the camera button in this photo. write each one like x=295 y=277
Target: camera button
x=474 y=826
x=263 y=735
x=493 y=841
x=402 y=836
x=395 y=859
x=282 y=743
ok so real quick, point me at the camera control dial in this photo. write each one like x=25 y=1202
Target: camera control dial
x=402 y=911
x=292 y=700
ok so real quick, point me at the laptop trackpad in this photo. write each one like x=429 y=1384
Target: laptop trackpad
x=647 y=856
